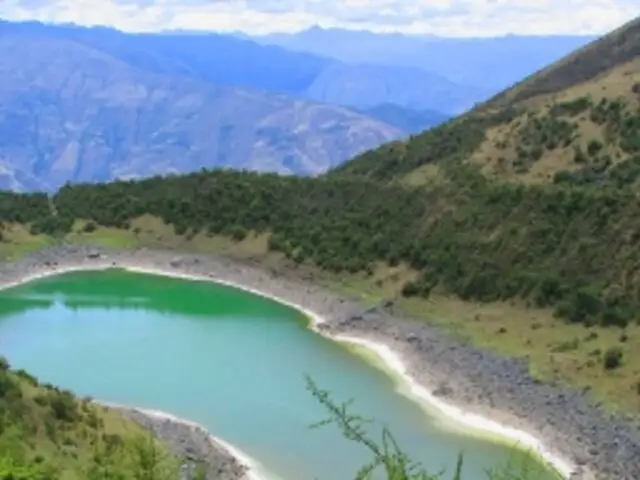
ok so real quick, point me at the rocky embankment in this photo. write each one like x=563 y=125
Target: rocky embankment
x=477 y=380
x=190 y=442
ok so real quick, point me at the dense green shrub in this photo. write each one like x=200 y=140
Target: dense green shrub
x=52 y=225
x=23 y=207
x=483 y=241
x=613 y=358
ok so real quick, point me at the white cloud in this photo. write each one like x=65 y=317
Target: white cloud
x=441 y=17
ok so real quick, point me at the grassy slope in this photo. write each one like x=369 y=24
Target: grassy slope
x=574 y=124
x=524 y=134
x=559 y=351
x=46 y=430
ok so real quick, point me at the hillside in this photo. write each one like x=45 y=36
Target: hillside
x=230 y=61
x=48 y=433
x=574 y=122
x=70 y=112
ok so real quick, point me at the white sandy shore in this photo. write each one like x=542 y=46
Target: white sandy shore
x=467 y=419
x=254 y=469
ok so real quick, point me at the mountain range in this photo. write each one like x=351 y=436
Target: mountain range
x=77 y=106
x=92 y=104
x=491 y=64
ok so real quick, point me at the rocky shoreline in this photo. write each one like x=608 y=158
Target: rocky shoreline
x=480 y=381
x=190 y=442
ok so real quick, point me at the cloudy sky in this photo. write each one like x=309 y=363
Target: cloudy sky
x=442 y=17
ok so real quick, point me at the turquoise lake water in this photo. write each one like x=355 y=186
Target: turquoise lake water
x=229 y=360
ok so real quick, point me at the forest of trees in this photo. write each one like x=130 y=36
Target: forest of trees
x=573 y=249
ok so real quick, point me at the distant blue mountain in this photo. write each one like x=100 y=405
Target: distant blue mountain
x=239 y=62
x=222 y=59
x=489 y=63
x=80 y=104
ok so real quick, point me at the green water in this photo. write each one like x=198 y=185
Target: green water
x=232 y=361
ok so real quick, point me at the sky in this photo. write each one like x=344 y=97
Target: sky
x=458 y=18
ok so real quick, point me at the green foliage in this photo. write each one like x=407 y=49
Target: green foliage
x=546 y=132
x=565 y=248
x=389 y=458
x=613 y=358
x=626 y=172
x=570 y=108
x=450 y=142
x=52 y=225
x=46 y=434
x=23 y=207
x=11 y=469
x=621 y=123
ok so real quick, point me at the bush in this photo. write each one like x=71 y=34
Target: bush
x=594 y=147
x=52 y=225
x=63 y=406
x=613 y=358
x=237 y=233
x=411 y=289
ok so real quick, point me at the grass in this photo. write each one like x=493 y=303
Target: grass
x=102 y=236
x=497 y=154
x=18 y=242
x=558 y=352
x=48 y=433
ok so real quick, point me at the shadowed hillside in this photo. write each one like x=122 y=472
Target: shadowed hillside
x=614 y=50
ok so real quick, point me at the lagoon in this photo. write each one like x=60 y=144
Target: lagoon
x=227 y=359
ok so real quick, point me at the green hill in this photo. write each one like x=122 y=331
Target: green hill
x=575 y=122
x=47 y=433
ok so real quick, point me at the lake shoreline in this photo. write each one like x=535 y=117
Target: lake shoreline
x=192 y=442
x=480 y=384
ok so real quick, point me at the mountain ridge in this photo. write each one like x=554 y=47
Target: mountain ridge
x=464 y=60
x=574 y=121
x=73 y=113
x=225 y=59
